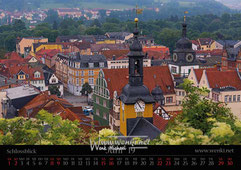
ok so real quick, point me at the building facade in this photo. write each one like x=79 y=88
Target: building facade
x=61 y=67
x=84 y=69
x=28 y=42
x=225 y=90
x=115 y=64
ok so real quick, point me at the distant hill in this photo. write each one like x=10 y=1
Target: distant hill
x=169 y=7
x=234 y=4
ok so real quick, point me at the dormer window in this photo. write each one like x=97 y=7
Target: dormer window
x=54 y=80
x=91 y=65
x=37 y=74
x=102 y=64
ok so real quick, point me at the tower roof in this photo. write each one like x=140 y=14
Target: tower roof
x=135 y=90
x=157 y=93
x=184 y=42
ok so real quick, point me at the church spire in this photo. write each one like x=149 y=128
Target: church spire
x=184 y=26
x=184 y=30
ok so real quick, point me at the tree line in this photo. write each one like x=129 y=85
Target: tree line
x=164 y=31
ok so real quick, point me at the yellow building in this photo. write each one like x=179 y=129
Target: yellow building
x=84 y=69
x=28 y=42
x=106 y=42
x=47 y=46
x=130 y=112
x=206 y=44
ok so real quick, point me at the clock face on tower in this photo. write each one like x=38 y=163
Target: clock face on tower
x=139 y=106
x=189 y=57
x=175 y=57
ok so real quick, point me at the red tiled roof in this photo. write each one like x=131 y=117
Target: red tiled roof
x=117 y=53
x=13 y=56
x=219 y=79
x=153 y=76
x=215 y=52
x=49 y=53
x=195 y=42
x=161 y=123
x=77 y=110
x=205 y=41
x=156 y=55
x=27 y=70
x=199 y=72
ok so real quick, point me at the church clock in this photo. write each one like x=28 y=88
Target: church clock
x=139 y=106
x=175 y=57
x=189 y=57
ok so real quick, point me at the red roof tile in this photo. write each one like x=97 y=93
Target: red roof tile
x=218 y=79
x=159 y=122
x=199 y=72
x=117 y=53
x=13 y=56
x=153 y=76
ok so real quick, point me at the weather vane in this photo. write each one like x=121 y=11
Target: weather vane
x=185 y=12
x=138 y=11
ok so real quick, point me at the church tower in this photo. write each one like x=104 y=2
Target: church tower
x=136 y=101
x=184 y=57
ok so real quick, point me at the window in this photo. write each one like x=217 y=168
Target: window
x=169 y=99
x=173 y=69
x=234 y=98
x=102 y=64
x=91 y=72
x=230 y=98
x=111 y=120
x=36 y=75
x=91 y=80
x=77 y=73
x=104 y=115
x=21 y=76
x=91 y=65
x=82 y=73
x=54 y=80
x=226 y=98
x=238 y=98
x=183 y=93
x=97 y=100
x=77 y=81
x=104 y=103
x=82 y=81
x=97 y=112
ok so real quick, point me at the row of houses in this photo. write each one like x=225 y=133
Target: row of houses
x=18 y=70
x=163 y=83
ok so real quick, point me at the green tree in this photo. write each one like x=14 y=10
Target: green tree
x=18 y=25
x=94 y=31
x=168 y=37
x=54 y=90
x=202 y=122
x=86 y=89
x=46 y=129
x=2 y=53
